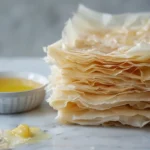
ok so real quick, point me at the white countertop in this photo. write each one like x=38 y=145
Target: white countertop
x=66 y=137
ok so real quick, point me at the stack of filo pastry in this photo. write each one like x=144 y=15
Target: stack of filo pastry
x=101 y=69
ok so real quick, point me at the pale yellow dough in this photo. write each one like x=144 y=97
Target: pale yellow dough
x=101 y=69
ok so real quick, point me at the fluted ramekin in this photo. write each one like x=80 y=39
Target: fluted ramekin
x=17 y=102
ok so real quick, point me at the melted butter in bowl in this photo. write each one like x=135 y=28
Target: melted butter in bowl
x=21 y=92
x=17 y=85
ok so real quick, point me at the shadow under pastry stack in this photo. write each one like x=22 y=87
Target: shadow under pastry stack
x=100 y=69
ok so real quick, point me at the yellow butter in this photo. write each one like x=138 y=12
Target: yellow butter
x=17 y=85
x=24 y=134
x=22 y=130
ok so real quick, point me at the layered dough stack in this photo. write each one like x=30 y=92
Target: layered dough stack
x=101 y=69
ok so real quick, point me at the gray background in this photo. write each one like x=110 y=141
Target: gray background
x=28 y=25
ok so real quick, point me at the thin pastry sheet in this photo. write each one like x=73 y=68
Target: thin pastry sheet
x=101 y=69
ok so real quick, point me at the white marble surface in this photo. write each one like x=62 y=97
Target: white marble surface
x=69 y=137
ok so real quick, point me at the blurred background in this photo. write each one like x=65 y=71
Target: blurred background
x=28 y=25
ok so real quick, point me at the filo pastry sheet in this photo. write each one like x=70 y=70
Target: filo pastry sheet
x=100 y=69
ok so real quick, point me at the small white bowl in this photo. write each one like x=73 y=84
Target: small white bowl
x=17 y=102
